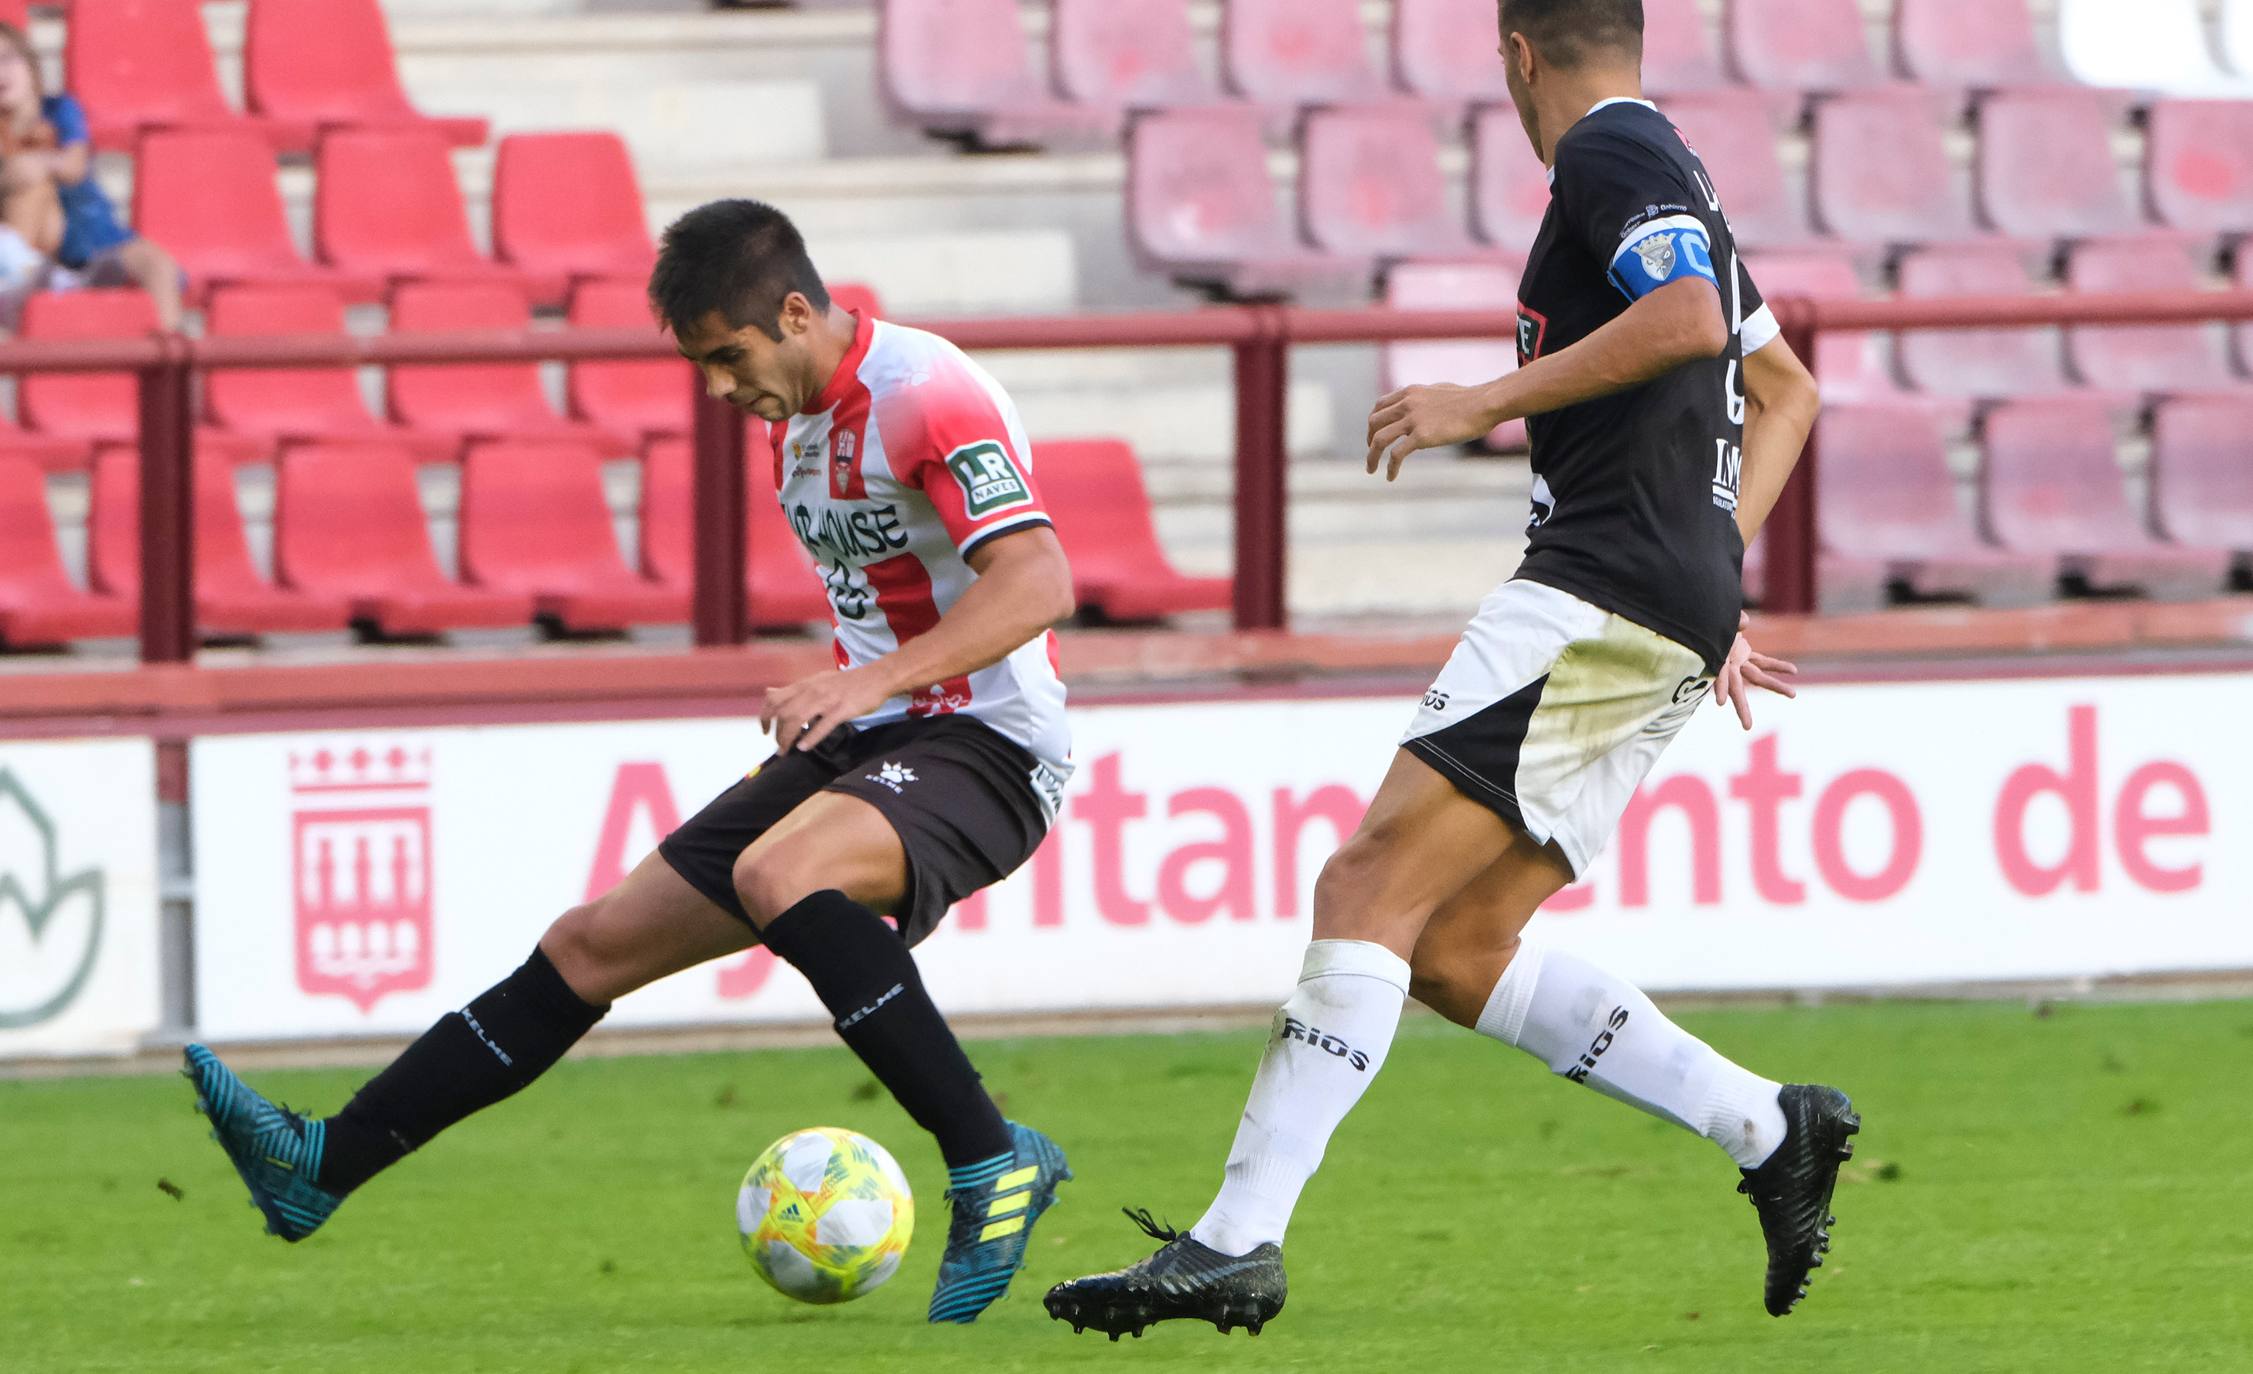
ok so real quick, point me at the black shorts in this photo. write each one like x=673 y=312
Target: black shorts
x=962 y=798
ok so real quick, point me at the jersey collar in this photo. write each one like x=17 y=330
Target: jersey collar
x=840 y=381
x=1602 y=104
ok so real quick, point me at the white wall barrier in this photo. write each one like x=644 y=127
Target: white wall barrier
x=1863 y=836
x=78 y=896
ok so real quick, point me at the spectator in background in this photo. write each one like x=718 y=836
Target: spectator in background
x=52 y=201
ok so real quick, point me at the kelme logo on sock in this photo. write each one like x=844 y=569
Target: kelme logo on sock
x=1295 y=1029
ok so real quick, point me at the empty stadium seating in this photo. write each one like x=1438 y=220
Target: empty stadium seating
x=1678 y=52
x=1509 y=186
x=210 y=198
x=627 y=397
x=534 y=521
x=295 y=404
x=2198 y=165
x=1490 y=286
x=785 y=590
x=2202 y=474
x=1978 y=363
x=1445 y=50
x=2045 y=167
x=386 y=204
x=1974 y=44
x=2170 y=358
x=1093 y=490
x=1852 y=367
x=1800 y=45
x=232 y=599
x=1201 y=207
x=481 y=400
x=1881 y=171
x=568 y=207
x=103 y=407
x=349 y=523
x=1370 y=185
x=143 y=64
x=48 y=452
x=959 y=67
x=40 y=607
x=2050 y=484
x=329 y=64
x=1297 y=52
x=1131 y=57
x=1732 y=134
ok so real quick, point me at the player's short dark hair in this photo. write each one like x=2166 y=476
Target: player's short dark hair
x=739 y=259
x=1568 y=31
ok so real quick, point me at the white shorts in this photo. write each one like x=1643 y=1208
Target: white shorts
x=1551 y=711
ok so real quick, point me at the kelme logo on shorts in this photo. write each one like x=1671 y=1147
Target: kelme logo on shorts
x=990 y=481
x=57 y=917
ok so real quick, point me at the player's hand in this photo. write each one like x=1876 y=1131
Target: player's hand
x=804 y=713
x=1417 y=417
x=1746 y=668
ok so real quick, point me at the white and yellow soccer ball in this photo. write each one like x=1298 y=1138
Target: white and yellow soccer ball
x=825 y=1215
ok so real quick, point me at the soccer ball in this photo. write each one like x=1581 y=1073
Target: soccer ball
x=825 y=1215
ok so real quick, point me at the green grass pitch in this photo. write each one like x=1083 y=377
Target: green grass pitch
x=2069 y=1191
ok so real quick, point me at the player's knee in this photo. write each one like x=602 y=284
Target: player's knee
x=771 y=882
x=1350 y=890
x=586 y=952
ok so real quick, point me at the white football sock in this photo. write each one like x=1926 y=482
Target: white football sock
x=1598 y=1029
x=1328 y=1042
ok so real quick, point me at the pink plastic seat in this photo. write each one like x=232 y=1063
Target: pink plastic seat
x=40 y=607
x=1734 y=136
x=1093 y=490
x=1133 y=57
x=1201 y=206
x=1297 y=52
x=959 y=67
x=1971 y=44
x=1678 y=50
x=297 y=404
x=481 y=400
x=348 y=522
x=784 y=589
x=2202 y=474
x=646 y=398
x=329 y=64
x=1800 y=45
x=1447 y=51
x=210 y=198
x=103 y=407
x=534 y=521
x=1853 y=367
x=386 y=204
x=146 y=64
x=1509 y=186
x=1882 y=174
x=1489 y=286
x=1370 y=185
x=232 y=599
x=1977 y=363
x=568 y=207
x=2198 y=165
x=1887 y=496
x=2045 y=165
x=47 y=452
x=1843 y=586
x=2168 y=358
x=2052 y=485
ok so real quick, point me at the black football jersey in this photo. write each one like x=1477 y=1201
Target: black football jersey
x=1635 y=494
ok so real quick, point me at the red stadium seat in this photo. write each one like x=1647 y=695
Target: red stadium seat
x=329 y=64
x=1465 y=362
x=1297 y=52
x=1201 y=206
x=853 y=296
x=1887 y=497
x=386 y=203
x=1370 y=184
x=1881 y=171
x=2198 y=165
x=103 y=407
x=1093 y=490
x=1734 y=135
x=482 y=400
x=142 y=64
x=16 y=12
x=568 y=206
x=1851 y=366
x=232 y=599
x=297 y=404
x=1971 y=44
x=1509 y=186
x=1800 y=45
x=40 y=607
x=1982 y=363
x=2244 y=282
x=2045 y=165
x=210 y=198
x=2202 y=474
x=48 y=452
x=647 y=398
x=1843 y=586
x=1113 y=56
x=785 y=590
x=2051 y=484
x=2170 y=358
x=348 y=522
x=959 y=67
x=1678 y=54
x=535 y=521
x=1446 y=51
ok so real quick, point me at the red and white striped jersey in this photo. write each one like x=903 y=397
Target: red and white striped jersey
x=906 y=462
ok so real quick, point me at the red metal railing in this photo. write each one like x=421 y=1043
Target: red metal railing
x=1259 y=336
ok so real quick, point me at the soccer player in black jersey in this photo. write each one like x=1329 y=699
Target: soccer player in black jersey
x=1665 y=413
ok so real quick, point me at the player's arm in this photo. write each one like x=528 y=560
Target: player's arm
x=1781 y=402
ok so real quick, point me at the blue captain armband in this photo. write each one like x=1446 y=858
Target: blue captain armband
x=1661 y=251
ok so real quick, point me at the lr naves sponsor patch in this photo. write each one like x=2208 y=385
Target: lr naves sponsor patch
x=1578 y=1073
x=989 y=478
x=1295 y=1029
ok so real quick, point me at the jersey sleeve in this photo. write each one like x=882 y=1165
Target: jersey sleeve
x=1756 y=323
x=1634 y=211
x=69 y=119
x=968 y=459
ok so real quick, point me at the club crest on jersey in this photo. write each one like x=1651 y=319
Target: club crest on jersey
x=989 y=480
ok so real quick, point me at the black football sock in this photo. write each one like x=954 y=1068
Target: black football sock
x=511 y=1034
x=862 y=971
